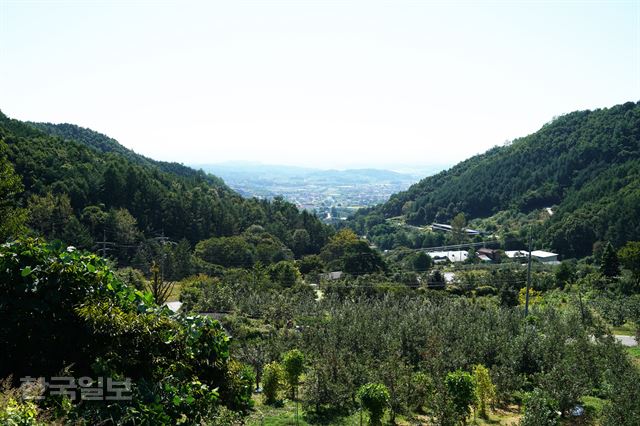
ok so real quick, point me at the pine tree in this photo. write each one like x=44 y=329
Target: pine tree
x=610 y=265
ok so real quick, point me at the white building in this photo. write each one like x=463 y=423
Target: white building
x=452 y=256
x=544 y=256
x=335 y=275
x=539 y=255
x=516 y=254
x=448 y=228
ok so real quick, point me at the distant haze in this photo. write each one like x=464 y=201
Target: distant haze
x=410 y=172
x=315 y=84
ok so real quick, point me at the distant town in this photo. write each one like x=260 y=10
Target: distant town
x=332 y=194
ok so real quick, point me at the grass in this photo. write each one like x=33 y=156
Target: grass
x=592 y=405
x=627 y=329
x=284 y=415
x=634 y=352
x=267 y=415
x=509 y=416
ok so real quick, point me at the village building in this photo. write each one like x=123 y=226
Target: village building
x=451 y=256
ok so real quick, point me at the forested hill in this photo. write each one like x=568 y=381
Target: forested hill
x=105 y=144
x=81 y=186
x=585 y=164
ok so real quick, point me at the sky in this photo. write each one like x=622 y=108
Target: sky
x=329 y=84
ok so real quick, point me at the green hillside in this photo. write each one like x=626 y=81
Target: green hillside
x=586 y=165
x=105 y=144
x=81 y=187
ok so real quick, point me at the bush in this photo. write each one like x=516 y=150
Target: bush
x=461 y=391
x=14 y=413
x=238 y=386
x=272 y=382
x=486 y=290
x=539 y=410
x=374 y=398
x=485 y=391
x=202 y=293
x=293 y=363
x=64 y=308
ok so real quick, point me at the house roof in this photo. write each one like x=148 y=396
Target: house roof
x=453 y=256
x=515 y=253
x=523 y=253
x=449 y=228
x=542 y=253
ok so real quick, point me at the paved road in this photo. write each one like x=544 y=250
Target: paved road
x=626 y=340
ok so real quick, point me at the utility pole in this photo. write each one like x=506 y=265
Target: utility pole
x=581 y=306
x=104 y=243
x=163 y=241
x=296 y=399
x=526 y=300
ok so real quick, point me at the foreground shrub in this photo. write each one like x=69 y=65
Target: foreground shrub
x=65 y=309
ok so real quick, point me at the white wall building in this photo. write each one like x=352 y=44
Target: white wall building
x=539 y=255
x=453 y=256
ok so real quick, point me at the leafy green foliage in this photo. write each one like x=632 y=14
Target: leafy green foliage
x=421 y=262
x=293 y=365
x=629 y=256
x=346 y=252
x=374 y=398
x=202 y=293
x=485 y=390
x=18 y=413
x=610 y=265
x=539 y=410
x=461 y=391
x=284 y=273
x=272 y=382
x=62 y=308
x=11 y=215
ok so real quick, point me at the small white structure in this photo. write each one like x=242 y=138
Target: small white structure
x=448 y=228
x=452 y=256
x=544 y=256
x=539 y=255
x=335 y=275
x=516 y=254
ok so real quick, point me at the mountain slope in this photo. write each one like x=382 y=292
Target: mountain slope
x=105 y=144
x=74 y=178
x=586 y=163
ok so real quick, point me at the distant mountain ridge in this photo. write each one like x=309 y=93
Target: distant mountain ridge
x=281 y=174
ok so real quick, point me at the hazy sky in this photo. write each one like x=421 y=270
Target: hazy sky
x=322 y=83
